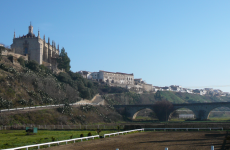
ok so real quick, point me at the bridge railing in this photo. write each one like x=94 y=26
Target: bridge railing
x=187 y=129
x=118 y=133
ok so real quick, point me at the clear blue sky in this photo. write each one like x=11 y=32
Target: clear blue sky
x=163 y=42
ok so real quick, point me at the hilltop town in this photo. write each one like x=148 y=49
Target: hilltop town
x=129 y=82
x=31 y=47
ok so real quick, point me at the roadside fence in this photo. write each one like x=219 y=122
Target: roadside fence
x=92 y=137
x=64 y=127
x=56 y=142
x=186 y=129
x=166 y=148
x=75 y=139
x=118 y=133
x=46 y=106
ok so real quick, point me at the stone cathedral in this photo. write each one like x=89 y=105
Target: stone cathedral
x=36 y=48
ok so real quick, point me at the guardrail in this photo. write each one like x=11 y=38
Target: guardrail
x=56 y=142
x=75 y=139
x=166 y=148
x=183 y=129
x=117 y=133
x=35 y=107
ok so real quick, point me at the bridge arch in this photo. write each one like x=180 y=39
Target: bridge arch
x=178 y=109
x=200 y=110
x=137 y=112
x=227 y=108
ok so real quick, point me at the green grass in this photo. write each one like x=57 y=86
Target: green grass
x=219 y=118
x=179 y=97
x=144 y=117
x=16 y=138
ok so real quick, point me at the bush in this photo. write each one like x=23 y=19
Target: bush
x=81 y=135
x=64 y=77
x=89 y=134
x=33 y=65
x=53 y=139
x=98 y=131
x=118 y=128
x=71 y=136
x=10 y=57
x=45 y=69
x=21 y=61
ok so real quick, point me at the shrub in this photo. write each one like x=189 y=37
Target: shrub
x=98 y=131
x=3 y=67
x=10 y=57
x=64 y=77
x=21 y=61
x=71 y=136
x=81 y=135
x=118 y=128
x=89 y=134
x=10 y=93
x=33 y=65
x=45 y=69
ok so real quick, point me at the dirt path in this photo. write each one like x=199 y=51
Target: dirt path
x=152 y=141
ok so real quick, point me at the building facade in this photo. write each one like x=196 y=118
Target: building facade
x=36 y=48
x=113 y=77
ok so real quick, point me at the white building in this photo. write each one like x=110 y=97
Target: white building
x=186 y=116
x=85 y=74
x=113 y=77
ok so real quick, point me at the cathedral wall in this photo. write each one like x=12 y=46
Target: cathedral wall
x=17 y=46
x=34 y=45
x=35 y=50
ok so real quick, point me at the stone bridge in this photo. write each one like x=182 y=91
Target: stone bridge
x=200 y=110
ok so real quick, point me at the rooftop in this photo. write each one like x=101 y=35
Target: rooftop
x=115 y=72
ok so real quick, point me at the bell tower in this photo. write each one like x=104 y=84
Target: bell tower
x=30 y=28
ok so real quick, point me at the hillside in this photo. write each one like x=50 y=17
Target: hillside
x=87 y=114
x=131 y=98
x=25 y=83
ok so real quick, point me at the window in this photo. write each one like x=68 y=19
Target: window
x=26 y=50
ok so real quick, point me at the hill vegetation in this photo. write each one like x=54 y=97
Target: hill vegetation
x=132 y=98
x=26 y=83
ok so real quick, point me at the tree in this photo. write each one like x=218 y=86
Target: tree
x=33 y=65
x=163 y=109
x=158 y=96
x=2 y=48
x=63 y=60
x=21 y=61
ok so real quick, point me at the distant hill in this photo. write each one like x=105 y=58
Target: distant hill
x=131 y=98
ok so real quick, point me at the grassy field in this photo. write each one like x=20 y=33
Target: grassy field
x=16 y=138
